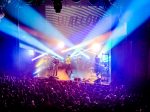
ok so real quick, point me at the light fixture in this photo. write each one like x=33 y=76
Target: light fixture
x=95 y=47
x=31 y=52
x=61 y=45
x=57 y=5
x=76 y=1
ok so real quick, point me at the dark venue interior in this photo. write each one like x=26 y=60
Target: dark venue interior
x=74 y=55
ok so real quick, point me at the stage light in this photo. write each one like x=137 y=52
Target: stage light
x=37 y=70
x=76 y=1
x=95 y=47
x=31 y=52
x=57 y=5
x=86 y=56
x=40 y=56
x=11 y=29
x=81 y=53
x=132 y=20
x=39 y=24
x=61 y=45
x=102 y=26
x=25 y=46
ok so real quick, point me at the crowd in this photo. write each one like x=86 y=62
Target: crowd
x=45 y=95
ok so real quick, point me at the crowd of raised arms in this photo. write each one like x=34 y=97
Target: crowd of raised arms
x=44 y=95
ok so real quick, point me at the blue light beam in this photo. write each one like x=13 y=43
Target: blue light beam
x=33 y=19
x=10 y=28
x=132 y=19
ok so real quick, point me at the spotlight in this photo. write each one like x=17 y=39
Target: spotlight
x=61 y=45
x=76 y=1
x=57 y=5
x=39 y=56
x=95 y=47
x=31 y=52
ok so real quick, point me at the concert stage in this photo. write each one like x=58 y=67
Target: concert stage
x=86 y=76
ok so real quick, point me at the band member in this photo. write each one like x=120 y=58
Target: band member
x=97 y=65
x=97 y=69
x=55 y=61
x=68 y=65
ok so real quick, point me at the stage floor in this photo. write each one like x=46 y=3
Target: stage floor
x=85 y=76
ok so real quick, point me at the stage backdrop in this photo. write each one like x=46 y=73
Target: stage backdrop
x=75 y=22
